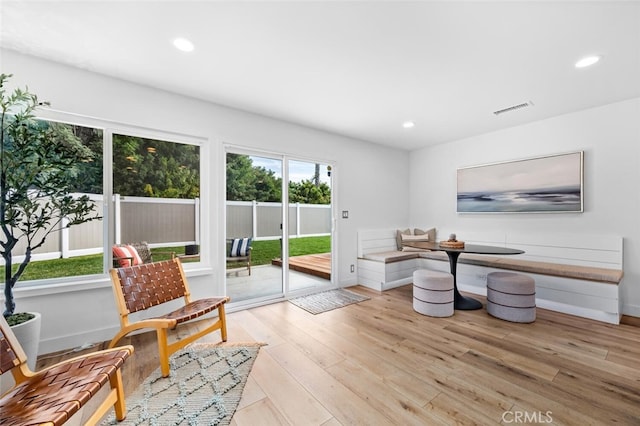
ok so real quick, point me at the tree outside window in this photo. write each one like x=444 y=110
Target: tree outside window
x=142 y=167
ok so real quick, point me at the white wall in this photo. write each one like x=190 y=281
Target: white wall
x=371 y=181
x=376 y=184
x=610 y=138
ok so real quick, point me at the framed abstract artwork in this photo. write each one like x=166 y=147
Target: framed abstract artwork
x=552 y=183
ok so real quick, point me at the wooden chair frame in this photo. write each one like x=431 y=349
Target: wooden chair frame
x=53 y=395
x=137 y=288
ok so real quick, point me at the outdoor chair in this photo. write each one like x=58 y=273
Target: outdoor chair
x=239 y=251
x=152 y=285
x=134 y=254
x=53 y=395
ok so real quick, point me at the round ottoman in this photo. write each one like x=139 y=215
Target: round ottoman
x=433 y=293
x=511 y=296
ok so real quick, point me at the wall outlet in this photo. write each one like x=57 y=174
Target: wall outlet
x=482 y=277
x=353 y=268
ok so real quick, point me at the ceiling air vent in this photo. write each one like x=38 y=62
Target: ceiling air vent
x=513 y=108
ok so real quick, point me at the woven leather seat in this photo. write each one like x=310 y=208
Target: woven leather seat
x=53 y=395
x=137 y=288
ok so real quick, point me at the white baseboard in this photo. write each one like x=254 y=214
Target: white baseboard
x=81 y=340
x=631 y=310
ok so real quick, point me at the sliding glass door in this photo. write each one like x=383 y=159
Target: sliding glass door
x=278 y=226
x=310 y=225
x=254 y=217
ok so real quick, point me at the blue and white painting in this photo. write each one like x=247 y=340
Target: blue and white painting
x=543 y=184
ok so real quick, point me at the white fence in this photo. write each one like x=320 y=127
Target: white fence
x=159 y=221
x=263 y=220
x=171 y=222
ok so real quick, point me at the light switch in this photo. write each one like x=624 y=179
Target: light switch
x=345 y=214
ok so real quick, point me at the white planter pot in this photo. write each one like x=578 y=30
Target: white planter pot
x=28 y=334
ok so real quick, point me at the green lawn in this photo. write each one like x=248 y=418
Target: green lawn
x=261 y=254
x=263 y=251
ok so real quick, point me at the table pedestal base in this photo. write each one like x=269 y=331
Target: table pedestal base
x=463 y=303
x=460 y=302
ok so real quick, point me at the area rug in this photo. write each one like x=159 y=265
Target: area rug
x=203 y=388
x=327 y=300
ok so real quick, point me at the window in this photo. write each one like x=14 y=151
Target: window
x=154 y=193
x=156 y=184
x=75 y=163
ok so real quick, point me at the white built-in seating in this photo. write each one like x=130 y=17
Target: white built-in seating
x=381 y=265
x=579 y=274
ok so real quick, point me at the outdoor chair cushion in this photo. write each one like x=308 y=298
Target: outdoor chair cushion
x=126 y=255
x=240 y=247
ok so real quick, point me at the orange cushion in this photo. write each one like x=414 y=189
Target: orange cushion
x=124 y=254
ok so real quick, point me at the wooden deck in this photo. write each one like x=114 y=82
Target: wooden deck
x=318 y=265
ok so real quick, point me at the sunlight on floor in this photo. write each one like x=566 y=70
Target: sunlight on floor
x=266 y=280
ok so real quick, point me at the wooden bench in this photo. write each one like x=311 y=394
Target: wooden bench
x=578 y=274
x=140 y=287
x=53 y=395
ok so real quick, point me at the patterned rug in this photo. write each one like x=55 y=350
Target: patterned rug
x=204 y=387
x=327 y=300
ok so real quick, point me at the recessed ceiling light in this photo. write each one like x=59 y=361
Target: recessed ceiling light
x=408 y=124
x=183 y=44
x=587 y=61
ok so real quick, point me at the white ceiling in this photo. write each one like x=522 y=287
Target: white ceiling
x=354 y=68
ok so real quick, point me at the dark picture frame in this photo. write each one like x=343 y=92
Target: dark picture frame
x=547 y=184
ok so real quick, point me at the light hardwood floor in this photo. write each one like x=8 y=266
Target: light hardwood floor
x=379 y=362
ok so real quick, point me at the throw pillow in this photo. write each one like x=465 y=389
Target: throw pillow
x=431 y=232
x=412 y=239
x=240 y=247
x=125 y=254
x=399 y=234
x=407 y=238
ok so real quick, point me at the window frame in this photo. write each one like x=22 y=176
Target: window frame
x=109 y=128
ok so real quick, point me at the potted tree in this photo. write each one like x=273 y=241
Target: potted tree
x=39 y=165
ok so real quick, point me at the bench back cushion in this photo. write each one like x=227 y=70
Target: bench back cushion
x=151 y=284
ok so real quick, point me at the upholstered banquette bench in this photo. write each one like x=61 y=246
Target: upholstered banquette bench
x=382 y=262
x=576 y=274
